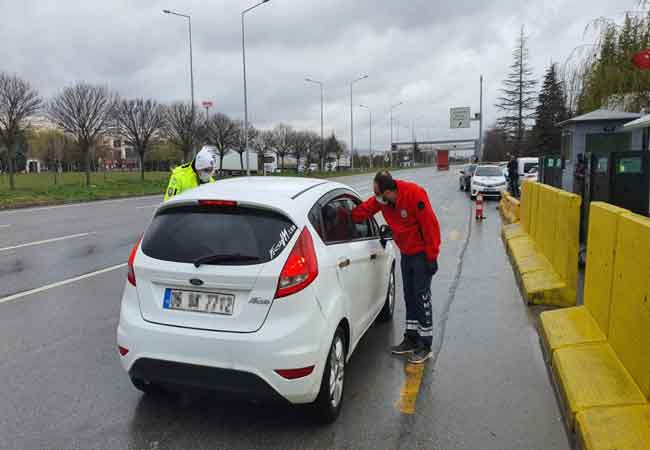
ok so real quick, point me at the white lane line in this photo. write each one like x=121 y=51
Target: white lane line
x=46 y=241
x=73 y=205
x=147 y=206
x=5 y=226
x=60 y=283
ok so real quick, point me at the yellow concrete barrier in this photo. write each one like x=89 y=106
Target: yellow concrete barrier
x=509 y=207
x=589 y=322
x=614 y=373
x=544 y=248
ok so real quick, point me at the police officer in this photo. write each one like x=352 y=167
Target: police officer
x=416 y=231
x=513 y=175
x=190 y=175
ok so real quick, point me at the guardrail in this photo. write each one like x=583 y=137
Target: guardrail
x=543 y=247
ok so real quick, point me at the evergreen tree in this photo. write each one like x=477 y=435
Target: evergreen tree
x=517 y=102
x=551 y=110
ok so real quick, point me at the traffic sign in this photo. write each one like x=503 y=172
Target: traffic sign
x=460 y=117
x=207 y=104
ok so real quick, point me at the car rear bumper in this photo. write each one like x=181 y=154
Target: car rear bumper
x=226 y=381
x=292 y=337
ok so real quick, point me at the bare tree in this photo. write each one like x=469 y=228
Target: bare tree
x=140 y=122
x=284 y=139
x=316 y=149
x=241 y=142
x=18 y=101
x=223 y=133
x=301 y=145
x=84 y=112
x=183 y=127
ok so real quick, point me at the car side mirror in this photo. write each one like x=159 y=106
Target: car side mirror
x=385 y=235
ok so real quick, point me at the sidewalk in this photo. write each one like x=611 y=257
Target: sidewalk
x=490 y=379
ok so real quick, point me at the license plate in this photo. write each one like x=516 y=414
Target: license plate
x=201 y=302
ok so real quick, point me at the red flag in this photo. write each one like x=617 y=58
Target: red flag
x=642 y=59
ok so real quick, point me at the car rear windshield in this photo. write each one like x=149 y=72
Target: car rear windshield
x=491 y=171
x=234 y=235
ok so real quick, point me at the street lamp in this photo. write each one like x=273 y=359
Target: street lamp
x=322 y=138
x=369 y=112
x=243 y=52
x=189 y=22
x=391 y=130
x=352 y=120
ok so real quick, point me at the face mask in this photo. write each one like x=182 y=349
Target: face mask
x=205 y=176
x=381 y=200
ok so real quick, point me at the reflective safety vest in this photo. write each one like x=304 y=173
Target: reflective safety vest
x=183 y=179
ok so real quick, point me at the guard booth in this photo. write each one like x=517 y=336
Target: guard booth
x=551 y=170
x=602 y=139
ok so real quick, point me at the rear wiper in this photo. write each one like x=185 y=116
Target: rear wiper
x=227 y=257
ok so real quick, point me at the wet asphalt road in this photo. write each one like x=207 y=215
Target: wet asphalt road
x=62 y=387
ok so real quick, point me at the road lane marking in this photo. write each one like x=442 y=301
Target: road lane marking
x=46 y=241
x=147 y=206
x=5 y=226
x=411 y=388
x=73 y=205
x=60 y=283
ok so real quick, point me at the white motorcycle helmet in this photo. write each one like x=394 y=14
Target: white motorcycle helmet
x=204 y=164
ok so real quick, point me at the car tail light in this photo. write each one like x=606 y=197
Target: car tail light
x=131 y=273
x=123 y=350
x=301 y=268
x=218 y=203
x=294 y=374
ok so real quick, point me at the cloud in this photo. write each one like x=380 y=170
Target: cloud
x=428 y=54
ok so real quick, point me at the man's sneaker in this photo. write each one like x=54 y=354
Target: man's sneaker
x=420 y=356
x=406 y=347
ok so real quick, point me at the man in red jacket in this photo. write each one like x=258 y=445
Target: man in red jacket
x=416 y=232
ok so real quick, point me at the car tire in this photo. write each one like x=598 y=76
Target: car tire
x=327 y=406
x=146 y=387
x=387 y=311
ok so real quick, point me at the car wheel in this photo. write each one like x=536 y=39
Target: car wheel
x=327 y=406
x=146 y=387
x=387 y=311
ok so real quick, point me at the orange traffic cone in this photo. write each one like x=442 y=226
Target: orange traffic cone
x=479 y=207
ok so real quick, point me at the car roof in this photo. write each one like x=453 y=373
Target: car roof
x=291 y=196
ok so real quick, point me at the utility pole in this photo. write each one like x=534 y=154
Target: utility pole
x=352 y=121
x=480 y=124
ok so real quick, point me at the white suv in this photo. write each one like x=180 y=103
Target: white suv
x=255 y=286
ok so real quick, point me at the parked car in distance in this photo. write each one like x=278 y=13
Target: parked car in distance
x=466 y=176
x=260 y=287
x=489 y=181
x=531 y=175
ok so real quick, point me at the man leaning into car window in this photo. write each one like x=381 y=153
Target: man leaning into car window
x=416 y=232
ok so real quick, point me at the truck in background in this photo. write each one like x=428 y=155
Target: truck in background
x=442 y=159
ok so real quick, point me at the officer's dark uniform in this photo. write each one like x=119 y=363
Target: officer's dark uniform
x=416 y=233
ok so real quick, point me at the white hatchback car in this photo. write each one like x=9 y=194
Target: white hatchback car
x=255 y=286
x=488 y=180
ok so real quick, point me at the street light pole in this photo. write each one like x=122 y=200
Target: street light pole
x=322 y=136
x=189 y=22
x=480 y=124
x=243 y=52
x=391 y=131
x=370 y=113
x=352 y=121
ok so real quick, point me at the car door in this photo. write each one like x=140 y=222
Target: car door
x=377 y=266
x=353 y=259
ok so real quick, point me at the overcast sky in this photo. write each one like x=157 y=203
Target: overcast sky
x=427 y=53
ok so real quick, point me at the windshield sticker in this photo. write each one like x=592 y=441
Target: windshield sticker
x=285 y=237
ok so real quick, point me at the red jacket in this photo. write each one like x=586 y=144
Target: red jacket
x=414 y=224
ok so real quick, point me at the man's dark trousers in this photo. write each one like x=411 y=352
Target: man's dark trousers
x=416 y=276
